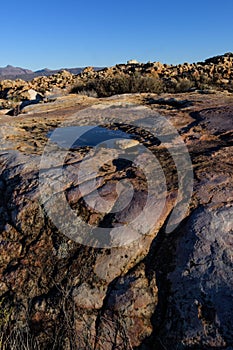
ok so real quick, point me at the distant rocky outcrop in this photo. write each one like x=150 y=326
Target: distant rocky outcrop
x=14 y=93
x=214 y=73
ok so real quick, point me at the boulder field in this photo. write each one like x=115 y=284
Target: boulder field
x=213 y=73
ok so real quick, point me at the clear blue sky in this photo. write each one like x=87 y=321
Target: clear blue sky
x=69 y=33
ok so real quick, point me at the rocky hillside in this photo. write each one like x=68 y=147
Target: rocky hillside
x=214 y=73
x=218 y=69
x=135 y=284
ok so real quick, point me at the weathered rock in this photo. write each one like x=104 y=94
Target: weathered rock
x=156 y=290
x=31 y=94
x=4 y=111
x=200 y=305
x=123 y=144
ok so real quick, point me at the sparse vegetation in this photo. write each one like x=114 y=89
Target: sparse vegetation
x=23 y=328
x=119 y=84
x=136 y=83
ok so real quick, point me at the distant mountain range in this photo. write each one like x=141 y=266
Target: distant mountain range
x=11 y=72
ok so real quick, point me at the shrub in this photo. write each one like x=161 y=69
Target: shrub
x=120 y=84
x=184 y=85
x=137 y=83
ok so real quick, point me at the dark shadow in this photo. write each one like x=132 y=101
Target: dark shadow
x=17 y=110
x=171 y=102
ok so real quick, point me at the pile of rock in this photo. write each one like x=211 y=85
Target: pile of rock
x=15 y=92
x=217 y=71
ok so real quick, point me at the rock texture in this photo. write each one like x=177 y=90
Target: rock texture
x=160 y=291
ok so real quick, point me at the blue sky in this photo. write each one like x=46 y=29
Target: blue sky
x=55 y=34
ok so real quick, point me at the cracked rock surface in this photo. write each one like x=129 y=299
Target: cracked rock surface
x=133 y=284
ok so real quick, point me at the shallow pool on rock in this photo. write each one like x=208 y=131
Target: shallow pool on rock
x=81 y=136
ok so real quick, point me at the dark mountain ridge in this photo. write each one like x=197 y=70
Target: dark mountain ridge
x=12 y=73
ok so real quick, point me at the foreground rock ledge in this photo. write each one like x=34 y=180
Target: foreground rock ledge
x=161 y=291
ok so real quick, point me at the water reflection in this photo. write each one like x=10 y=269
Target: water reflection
x=84 y=136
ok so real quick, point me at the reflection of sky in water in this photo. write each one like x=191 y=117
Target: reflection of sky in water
x=84 y=135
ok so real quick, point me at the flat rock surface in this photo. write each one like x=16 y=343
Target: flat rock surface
x=106 y=247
